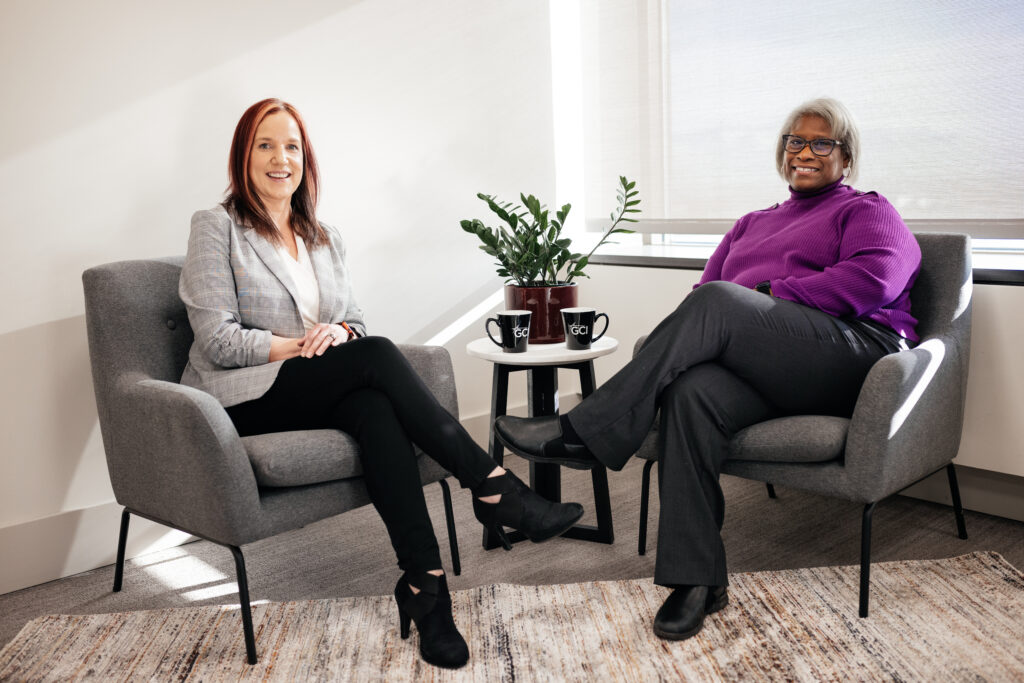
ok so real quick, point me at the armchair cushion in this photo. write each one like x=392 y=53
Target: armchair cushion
x=803 y=438
x=303 y=457
x=300 y=458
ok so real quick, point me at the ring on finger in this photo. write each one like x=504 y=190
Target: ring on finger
x=332 y=336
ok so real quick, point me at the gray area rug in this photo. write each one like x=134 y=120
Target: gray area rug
x=954 y=619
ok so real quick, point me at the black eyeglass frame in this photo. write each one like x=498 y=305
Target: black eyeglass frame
x=809 y=143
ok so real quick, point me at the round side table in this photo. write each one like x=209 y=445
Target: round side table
x=541 y=363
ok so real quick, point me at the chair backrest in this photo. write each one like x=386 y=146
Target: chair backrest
x=136 y=324
x=941 y=296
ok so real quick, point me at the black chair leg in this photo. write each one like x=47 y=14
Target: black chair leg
x=449 y=517
x=958 y=509
x=771 y=491
x=865 y=557
x=122 y=541
x=243 y=597
x=645 y=493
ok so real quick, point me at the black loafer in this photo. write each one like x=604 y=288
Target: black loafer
x=540 y=439
x=682 y=614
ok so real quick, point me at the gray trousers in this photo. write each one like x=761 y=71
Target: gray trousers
x=726 y=358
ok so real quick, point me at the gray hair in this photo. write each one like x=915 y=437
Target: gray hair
x=840 y=122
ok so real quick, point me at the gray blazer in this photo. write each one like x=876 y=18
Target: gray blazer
x=238 y=293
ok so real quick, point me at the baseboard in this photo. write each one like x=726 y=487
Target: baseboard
x=993 y=493
x=73 y=542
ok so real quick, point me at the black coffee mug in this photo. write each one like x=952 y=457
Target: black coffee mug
x=579 y=327
x=514 y=328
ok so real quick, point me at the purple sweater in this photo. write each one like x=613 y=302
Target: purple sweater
x=845 y=252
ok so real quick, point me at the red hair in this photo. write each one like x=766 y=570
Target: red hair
x=243 y=200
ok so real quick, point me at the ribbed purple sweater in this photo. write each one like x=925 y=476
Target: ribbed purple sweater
x=845 y=252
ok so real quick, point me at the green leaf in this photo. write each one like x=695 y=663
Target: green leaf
x=563 y=213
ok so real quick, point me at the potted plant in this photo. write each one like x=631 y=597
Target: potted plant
x=536 y=261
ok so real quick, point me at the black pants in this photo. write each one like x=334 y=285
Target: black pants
x=726 y=358
x=367 y=389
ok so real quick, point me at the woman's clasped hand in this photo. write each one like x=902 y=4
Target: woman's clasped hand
x=314 y=342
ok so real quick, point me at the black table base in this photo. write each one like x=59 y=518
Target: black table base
x=546 y=478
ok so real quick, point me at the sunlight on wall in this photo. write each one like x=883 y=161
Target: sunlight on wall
x=567 y=106
x=480 y=310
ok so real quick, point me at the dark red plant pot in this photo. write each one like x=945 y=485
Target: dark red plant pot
x=546 y=304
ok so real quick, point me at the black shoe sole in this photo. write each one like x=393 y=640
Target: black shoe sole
x=442 y=664
x=684 y=635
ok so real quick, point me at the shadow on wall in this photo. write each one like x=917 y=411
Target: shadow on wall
x=53 y=457
x=63 y=66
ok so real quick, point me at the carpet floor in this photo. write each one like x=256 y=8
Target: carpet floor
x=953 y=619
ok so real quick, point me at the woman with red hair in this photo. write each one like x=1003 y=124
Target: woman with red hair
x=281 y=343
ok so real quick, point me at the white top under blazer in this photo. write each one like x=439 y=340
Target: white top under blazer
x=238 y=292
x=307 y=291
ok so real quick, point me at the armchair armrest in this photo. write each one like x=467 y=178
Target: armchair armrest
x=909 y=417
x=200 y=480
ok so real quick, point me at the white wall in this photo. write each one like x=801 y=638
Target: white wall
x=116 y=123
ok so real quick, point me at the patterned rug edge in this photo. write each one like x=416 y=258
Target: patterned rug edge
x=775 y=602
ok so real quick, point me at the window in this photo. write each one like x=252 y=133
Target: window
x=687 y=97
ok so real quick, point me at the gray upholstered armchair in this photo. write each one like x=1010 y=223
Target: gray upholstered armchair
x=907 y=422
x=172 y=452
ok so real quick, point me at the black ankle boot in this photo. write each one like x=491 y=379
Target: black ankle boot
x=682 y=614
x=521 y=508
x=441 y=644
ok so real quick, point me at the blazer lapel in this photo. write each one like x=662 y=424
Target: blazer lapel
x=323 y=266
x=272 y=260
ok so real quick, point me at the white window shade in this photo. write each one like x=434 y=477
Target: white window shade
x=688 y=98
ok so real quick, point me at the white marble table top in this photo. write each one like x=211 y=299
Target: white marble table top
x=540 y=354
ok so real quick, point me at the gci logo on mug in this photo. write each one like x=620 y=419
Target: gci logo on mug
x=579 y=325
x=513 y=330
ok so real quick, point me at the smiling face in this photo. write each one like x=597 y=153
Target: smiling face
x=275 y=160
x=804 y=170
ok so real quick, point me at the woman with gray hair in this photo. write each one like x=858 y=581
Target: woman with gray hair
x=794 y=307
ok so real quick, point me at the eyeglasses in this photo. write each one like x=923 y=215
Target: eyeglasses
x=821 y=147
